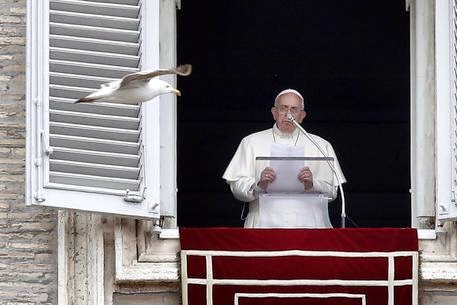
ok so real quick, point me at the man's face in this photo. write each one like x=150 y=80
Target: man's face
x=287 y=102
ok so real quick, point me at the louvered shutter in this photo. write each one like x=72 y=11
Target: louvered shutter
x=99 y=157
x=446 y=88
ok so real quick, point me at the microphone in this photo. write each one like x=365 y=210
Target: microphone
x=291 y=118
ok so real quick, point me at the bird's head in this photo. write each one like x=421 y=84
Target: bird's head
x=163 y=87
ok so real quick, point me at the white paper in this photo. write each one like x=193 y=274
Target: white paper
x=286 y=170
x=293 y=211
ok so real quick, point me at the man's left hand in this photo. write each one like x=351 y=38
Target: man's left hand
x=306 y=177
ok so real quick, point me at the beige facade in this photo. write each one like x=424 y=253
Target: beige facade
x=63 y=257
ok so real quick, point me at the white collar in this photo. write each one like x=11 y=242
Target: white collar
x=281 y=134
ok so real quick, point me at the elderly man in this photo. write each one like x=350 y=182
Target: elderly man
x=246 y=181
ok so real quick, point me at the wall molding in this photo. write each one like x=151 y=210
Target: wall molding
x=154 y=261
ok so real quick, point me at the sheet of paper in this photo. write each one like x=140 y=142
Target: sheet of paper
x=293 y=211
x=286 y=170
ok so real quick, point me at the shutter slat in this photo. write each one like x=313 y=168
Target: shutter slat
x=75 y=80
x=89 y=69
x=66 y=104
x=92 y=169
x=89 y=7
x=80 y=155
x=69 y=92
x=93 y=181
x=93 y=32
x=94 y=20
x=91 y=44
x=94 y=132
x=94 y=144
x=129 y=2
x=94 y=119
x=102 y=58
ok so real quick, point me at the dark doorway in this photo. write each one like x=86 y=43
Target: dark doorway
x=350 y=60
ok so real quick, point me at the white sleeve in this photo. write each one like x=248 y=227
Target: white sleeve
x=244 y=189
x=240 y=174
x=325 y=188
x=326 y=181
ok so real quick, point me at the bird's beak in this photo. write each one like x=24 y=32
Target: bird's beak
x=177 y=92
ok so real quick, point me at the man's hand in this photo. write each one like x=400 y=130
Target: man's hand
x=306 y=177
x=267 y=176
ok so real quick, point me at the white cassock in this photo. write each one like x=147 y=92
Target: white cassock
x=243 y=174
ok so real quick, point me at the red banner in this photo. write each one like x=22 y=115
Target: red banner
x=224 y=266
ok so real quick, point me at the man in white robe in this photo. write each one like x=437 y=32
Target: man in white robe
x=247 y=180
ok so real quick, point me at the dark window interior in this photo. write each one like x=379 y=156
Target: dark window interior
x=350 y=60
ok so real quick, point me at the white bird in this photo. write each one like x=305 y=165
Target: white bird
x=136 y=87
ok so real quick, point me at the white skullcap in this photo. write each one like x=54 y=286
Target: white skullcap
x=290 y=91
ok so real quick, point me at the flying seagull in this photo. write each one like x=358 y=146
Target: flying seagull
x=136 y=87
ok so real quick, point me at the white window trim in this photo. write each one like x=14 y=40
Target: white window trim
x=432 y=105
x=422 y=112
x=431 y=148
x=445 y=102
x=151 y=110
x=37 y=191
x=168 y=114
x=37 y=92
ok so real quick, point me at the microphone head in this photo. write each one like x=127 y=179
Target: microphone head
x=290 y=117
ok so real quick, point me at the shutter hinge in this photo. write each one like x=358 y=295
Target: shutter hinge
x=39 y=197
x=443 y=208
x=134 y=197
x=408 y=5
x=45 y=144
x=178 y=4
x=154 y=206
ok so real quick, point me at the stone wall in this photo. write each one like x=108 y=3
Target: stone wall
x=28 y=260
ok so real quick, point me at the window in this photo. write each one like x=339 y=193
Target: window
x=96 y=157
x=355 y=80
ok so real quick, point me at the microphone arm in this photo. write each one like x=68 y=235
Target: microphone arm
x=291 y=118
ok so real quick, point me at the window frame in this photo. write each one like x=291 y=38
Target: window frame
x=432 y=114
x=132 y=242
x=431 y=129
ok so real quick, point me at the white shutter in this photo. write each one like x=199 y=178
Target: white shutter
x=89 y=156
x=446 y=116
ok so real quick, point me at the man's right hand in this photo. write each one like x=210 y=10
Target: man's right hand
x=267 y=176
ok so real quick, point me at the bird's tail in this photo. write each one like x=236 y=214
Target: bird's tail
x=85 y=100
x=184 y=70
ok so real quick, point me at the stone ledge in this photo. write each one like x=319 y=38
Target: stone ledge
x=438 y=272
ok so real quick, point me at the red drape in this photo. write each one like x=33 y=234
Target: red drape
x=299 y=266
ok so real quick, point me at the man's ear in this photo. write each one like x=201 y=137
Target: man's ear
x=302 y=116
x=274 y=112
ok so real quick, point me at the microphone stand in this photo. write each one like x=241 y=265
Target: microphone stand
x=291 y=118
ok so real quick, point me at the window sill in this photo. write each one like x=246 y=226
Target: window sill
x=426 y=234
x=169 y=234
x=422 y=234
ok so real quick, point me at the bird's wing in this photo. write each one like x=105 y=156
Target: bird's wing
x=106 y=88
x=112 y=84
x=138 y=79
